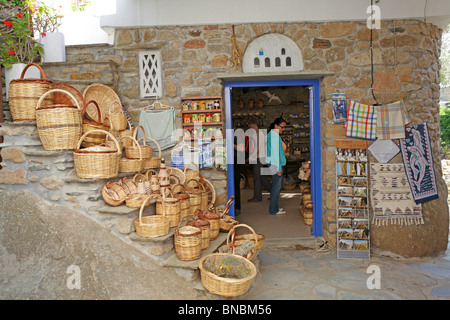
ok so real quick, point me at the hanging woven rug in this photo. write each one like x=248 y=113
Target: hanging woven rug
x=391 y=196
x=418 y=159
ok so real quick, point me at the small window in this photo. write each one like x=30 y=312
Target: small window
x=267 y=62
x=283 y=51
x=288 y=62
x=256 y=62
x=150 y=74
x=277 y=62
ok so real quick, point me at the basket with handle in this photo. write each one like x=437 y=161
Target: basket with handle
x=131 y=165
x=187 y=242
x=132 y=152
x=152 y=162
x=234 y=241
x=59 y=126
x=118 y=120
x=226 y=221
x=214 y=269
x=172 y=208
x=195 y=196
x=135 y=200
x=97 y=162
x=183 y=196
x=214 y=222
x=204 y=225
x=25 y=93
x=61 y=98
x=191 y=173
x=151 y=226
x=113 y=194
x=128 y=185
x=204 y=201
x=88 y=125
x=126 y=133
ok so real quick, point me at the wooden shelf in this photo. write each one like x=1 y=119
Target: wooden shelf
x=203 y=124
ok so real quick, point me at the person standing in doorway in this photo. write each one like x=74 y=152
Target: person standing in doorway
x=276 y=159
x=256 y=154
x=240 y=148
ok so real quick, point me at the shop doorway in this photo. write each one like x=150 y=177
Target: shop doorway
x=303 y=96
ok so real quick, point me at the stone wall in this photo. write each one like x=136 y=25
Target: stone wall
x=405 y=66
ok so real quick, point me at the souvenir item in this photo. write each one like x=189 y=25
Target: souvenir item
x=185 y=106
x=216 y=117
x=208 y=117
x=187 y=118
x=339 y=110
x=391 y=121
x=194 y=118
x=216 y=104
x=164 y=181
x=201 y=117
x=361 y=121
x=201 y=105
x=194 y=105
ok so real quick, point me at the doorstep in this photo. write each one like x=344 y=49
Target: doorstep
x=174 y=262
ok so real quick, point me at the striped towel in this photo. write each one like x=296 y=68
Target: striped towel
x=361 y=121
x=391 y=121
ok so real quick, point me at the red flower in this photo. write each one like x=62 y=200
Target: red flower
x=11 y=52
x=43 y=34
x=19 y=15
x=7 y=23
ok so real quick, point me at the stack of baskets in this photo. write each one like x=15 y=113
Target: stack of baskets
x=25 y=93
x=306 y=207
x=204 y=225
x=134 y=164
x=214 y=222
x=59 y=125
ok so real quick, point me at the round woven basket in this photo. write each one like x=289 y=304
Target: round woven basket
x=204 y=225
x=96 y=164
x=25 y=93
x=172 y=208
x=88 y=125
x=61 y=98
x=135 y=200
x=234 y=241
x=227 y=287
x=128 y=185
x=151 y=226
x=59 y=126
x=133 y=152
x=195 y=196
x=183 y=196
x=107 y=99
x=188 y=243
x=131 y=165
x=113 y=194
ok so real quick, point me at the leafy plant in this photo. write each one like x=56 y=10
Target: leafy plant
x=445 y=129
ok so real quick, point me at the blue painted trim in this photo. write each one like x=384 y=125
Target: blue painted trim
x=315 y=142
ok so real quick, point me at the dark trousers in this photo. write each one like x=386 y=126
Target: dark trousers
x=237 y=186
x=259 y=181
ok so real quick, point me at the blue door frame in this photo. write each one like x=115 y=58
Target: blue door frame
x=315 y=144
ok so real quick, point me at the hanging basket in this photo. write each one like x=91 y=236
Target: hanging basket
x=59 y=126
x=135 y=152
x=24 y=95
x=89 y=125
x=96 y=162
x=131 y=165
x=188 y=243
x=151 y=226
x=113 y=194
x=212 y=267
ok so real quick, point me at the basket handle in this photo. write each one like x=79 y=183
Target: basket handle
x=228 y=206
x=198 y=184
x=142 y=209
x=57 y=90
x=158 y=197
x=139 y=147
x=188 y=166
x=179 y=185
x=100 y=131
x=156 y=142
x=138 y=175
x=231 y=232
x=37 y=66
x=143 y=132
x=99 y=113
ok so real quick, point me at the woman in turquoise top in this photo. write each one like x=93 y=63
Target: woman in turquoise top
x=276 y=159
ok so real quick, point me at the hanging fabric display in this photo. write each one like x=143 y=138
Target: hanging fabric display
x=391 y=196
x=339 y=110
x=220 y=154
x=391 y=120
x=206 y=157
x=159 y=124
x=418 y=160
x=384 y=150
x=190 y=155
x=177 y=157
x=361 y=121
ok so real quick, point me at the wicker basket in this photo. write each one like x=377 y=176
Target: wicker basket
x=144 y=151
x=128 y=185
x=195 y=196
x=191 y=173
x=234 y=241
x=59 y=126
x=172 y=208
x=152 y=162
x=145 y=186
x=96 y=164
x=107 y=99
x=289 y=186
x=307 y=212
x=113 y=194
x=61 y=98
x=131 y=165
x=204 y=225
x=118 y=120
x=188 y=243
x=214 y=223
x=25 y=93
x=151 y=226
x=226 y=221
x=136 y=200
x=223 y=286
x=88 y=125
x=126 y=133
x=185 y=207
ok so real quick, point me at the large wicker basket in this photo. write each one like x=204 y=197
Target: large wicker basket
x=188 y=243
x=25 y=93
x=88 y=125
x=204 y=225
x=151 y=226
x=223 y=286
x=59 y=126
x=102 y=164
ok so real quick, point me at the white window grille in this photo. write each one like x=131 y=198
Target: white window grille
x=150 y=81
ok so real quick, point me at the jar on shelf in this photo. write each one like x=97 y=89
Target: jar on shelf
x=216 y=104
x=216 y=117
x=185 y=106
x=194 y=118
x=194 y=105
x=201 y=105
x=187 y=133
x=209 y=106
x=208 y=117
x=187 y=118
x=201 y=117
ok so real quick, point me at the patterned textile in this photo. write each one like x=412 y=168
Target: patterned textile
x=391 y=196
x=384 y=150
x=361 y=121
x=418 y=159
x=391 y=121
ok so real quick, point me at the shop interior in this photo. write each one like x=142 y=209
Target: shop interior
x=265 y=104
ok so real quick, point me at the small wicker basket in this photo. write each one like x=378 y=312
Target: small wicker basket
x=136 y=152
x=183 y=196
x=113 y=194
x=172 y=208
x=195 y=196
x=96 y=164
x=88 y=125
x=128 y=165
x=234 y=241
x=188 y=243
x=136 y=200
x=151 y=226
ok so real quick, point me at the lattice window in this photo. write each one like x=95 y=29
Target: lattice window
x=150 y=81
